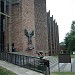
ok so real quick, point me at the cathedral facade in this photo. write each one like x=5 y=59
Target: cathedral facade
x=24 y=27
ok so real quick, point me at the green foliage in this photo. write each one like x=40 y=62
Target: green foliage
x=73 y=26
x=70 y=39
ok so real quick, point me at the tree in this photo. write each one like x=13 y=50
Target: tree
x=73 y=27
x=70 y=39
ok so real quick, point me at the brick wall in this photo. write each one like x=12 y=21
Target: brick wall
x=23 y=18
x=41 y=34
x=29 y=24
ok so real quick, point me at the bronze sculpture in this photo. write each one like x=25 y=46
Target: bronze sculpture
x=29 y=35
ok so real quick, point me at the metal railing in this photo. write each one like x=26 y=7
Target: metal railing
x=33 y=63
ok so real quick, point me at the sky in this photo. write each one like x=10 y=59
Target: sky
x=64 y=13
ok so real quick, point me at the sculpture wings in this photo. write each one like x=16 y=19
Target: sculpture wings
x=26 y=32
x=32 y=33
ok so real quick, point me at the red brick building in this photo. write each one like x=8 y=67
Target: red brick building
x=53 y=35
x=25 y=27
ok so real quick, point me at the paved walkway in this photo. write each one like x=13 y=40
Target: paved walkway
x=18 y=70
x=62 y=67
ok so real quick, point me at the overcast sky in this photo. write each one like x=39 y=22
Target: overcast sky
x=64 y=13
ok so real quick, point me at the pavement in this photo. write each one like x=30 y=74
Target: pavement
x=17 y=69
x=60 y=67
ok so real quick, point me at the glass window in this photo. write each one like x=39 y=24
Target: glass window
x=5 y=11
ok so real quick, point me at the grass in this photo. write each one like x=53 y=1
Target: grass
x=62 y=73
x=4 y=71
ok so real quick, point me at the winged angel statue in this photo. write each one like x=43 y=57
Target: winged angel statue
x=29 y=35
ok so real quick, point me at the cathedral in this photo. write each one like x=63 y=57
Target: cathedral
x=26 y=27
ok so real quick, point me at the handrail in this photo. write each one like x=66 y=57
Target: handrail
x=24 y=61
